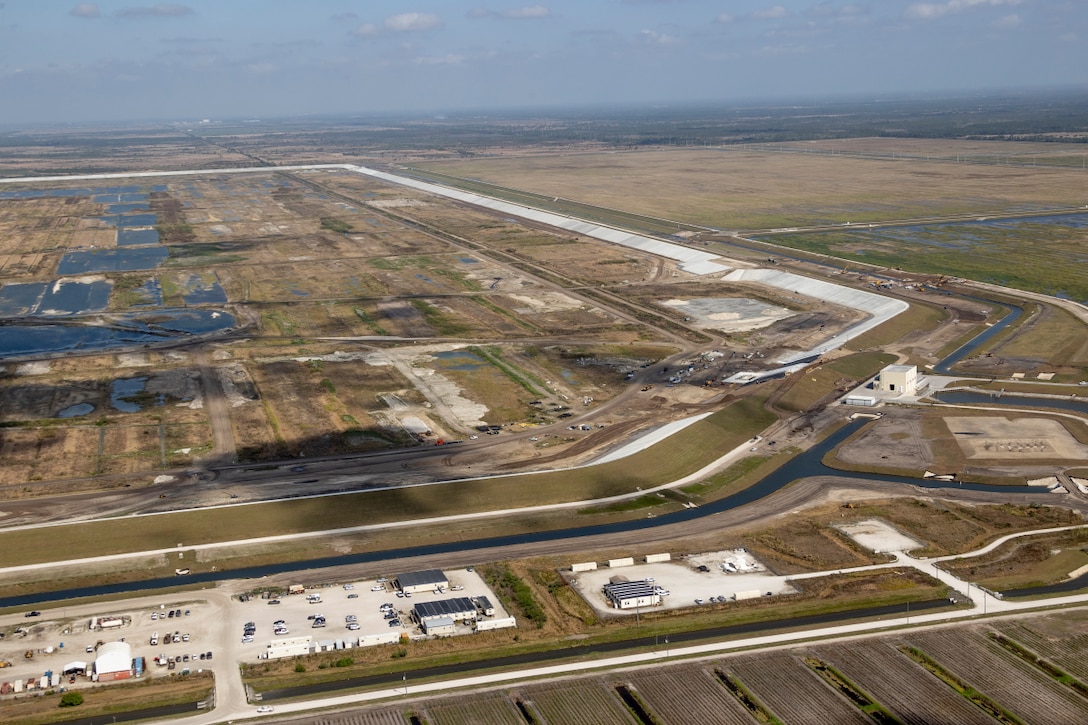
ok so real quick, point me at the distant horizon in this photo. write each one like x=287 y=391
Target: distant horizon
x=602 y=109
x=67 y=61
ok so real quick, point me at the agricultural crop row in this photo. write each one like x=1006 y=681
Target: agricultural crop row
x=366 y=717
x=949 y=675
x=579 y=702
x=1017 y=686
x=905 y=688
x=793 y=692
x=493 y=709
x=682 y=695
x=1066 y=652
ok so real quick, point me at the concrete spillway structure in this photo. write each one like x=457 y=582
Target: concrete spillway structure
x=879 y=309
x=691 y=260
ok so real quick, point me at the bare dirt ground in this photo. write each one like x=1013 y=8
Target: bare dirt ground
x=896 y=440
x=1004 y=438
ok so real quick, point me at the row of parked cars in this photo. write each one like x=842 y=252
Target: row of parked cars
x=169 y=615
x=390 y=613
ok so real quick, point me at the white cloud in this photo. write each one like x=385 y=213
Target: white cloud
x=412 y=22
x=782 y=49
x=771 y=13
x=827 y=10
x=366 y=29
x=656 y=38
x=725 y=18
x=86 y=10
x=162 y=10
x=1007 y=21
x=449 y=59
x=931 y=11
x=529 y=11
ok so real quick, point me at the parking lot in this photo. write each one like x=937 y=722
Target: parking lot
x=687 y=584
x=210 y=625
x=360 y=599
x=55 y=641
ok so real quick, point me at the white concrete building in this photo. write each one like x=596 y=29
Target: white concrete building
x=898 y=379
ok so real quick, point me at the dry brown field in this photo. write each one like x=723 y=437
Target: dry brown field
x=102 y=702
x=146 y=149
x=735 y=188
x=1020 y=152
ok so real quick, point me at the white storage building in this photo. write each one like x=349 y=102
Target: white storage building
x=290 y=647
x=899 y=379
x=113 y=662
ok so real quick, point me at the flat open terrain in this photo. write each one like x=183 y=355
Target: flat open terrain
x=740 y=188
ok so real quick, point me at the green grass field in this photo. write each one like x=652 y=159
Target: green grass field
x=668 y=460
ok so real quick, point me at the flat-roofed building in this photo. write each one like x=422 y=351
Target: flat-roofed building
x=485 y=607
x=630 y=595
x=899 y=379
x=440 y=626
x=422 y=581
x=459 y=609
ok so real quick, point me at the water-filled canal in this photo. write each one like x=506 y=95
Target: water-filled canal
x=804 y=465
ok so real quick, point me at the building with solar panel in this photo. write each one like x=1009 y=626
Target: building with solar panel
x=631 y=595
x=458 y=609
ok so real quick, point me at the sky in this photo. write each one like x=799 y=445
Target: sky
x=117 y=60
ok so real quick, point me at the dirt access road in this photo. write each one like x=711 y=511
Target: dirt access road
x=215 y=402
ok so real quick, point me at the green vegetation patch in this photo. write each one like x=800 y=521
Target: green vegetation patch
x=515 y=594
x=809 y=387
x=335 y=225
x=669 y=460
x=986 y=253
